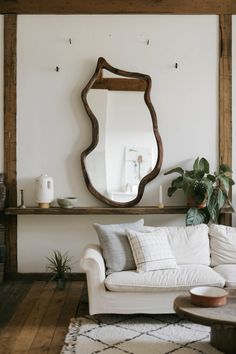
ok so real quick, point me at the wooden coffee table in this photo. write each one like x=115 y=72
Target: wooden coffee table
x=222 y=320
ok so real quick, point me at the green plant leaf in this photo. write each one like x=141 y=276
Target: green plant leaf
x=211 y=177
x=223 y=183
x=59 y=264
x=215 y=203
x=175 y=170
x=231 y=181
x=199 y=174
x=177 y=183
x=170 y=191
x=204 y=165
x=221 y=199
x=197 y=216
x=190 y=174
x=188 y=186
x=195 y=165
x=225 y=168
x=209 y=186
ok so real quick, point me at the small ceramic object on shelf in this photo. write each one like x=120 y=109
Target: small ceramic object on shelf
x=44 y=191
x=68 y=202
x=22 y=203
x=160 y=204
x=208 y=296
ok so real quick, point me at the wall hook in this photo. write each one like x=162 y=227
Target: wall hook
x=70 y=41
x=148 y=42
x=176 y=65
x=57 y=68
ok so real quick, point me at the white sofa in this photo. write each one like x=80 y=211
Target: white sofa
x=128 y=291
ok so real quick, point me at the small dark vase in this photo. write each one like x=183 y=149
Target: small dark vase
x=2 y=191
x=61 y=283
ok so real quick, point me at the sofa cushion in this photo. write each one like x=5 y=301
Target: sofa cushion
x=189 y=244
x=115 y=245
x=151 y=250
x=228 y=272
x=223 y=244
x=182 y=278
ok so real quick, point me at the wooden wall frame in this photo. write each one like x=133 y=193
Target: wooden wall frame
x=68 y=7
x=225 y=9
x=225 y=97
x=10 y=166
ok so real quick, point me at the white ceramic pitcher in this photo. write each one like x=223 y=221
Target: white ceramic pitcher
x=44 y=191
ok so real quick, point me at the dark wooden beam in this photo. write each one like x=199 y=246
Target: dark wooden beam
x=10 y=27
x=117 y=84
x=225 y=89
x=225 y=96
x=118 y=7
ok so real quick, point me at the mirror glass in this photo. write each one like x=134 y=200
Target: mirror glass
x=126 y=148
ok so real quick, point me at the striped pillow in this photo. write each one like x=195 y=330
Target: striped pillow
x=151 y=250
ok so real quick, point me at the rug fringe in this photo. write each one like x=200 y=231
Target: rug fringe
x=71 y=337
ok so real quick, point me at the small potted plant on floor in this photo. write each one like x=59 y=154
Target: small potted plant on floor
x=60 y=267
x=206 y=193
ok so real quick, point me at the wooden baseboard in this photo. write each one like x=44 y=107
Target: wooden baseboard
x=40 y=276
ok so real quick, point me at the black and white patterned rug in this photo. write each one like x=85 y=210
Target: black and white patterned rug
x=136 y=334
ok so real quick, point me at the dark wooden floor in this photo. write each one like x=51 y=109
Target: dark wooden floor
x=34 y=316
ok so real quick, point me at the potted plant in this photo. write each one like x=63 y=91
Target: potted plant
x=206 y=193
x=59 y=266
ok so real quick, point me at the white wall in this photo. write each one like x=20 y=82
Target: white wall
x=53 y=128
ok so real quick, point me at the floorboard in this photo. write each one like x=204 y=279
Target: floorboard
x=32 y=323
x=13 y=294
x=34 y=317
x=12 y=329
x=69 y=310
x=43 y=337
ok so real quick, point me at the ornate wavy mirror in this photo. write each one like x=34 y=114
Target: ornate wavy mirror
x=126 y=149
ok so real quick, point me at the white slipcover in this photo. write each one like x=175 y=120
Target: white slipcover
x=228 y=272
x=102 y=300
x=190 y=245
x=182 y=278
x=223 y=244
x=154 y=292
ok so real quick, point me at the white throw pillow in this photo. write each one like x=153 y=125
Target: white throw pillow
x=223 y=244
x=189 y=244
x=151 y=250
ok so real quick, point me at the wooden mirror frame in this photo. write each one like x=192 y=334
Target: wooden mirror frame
x=135 y=84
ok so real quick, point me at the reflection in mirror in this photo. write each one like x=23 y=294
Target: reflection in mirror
x=126 y=151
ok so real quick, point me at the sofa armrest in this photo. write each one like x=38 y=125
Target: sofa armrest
x=92 y=262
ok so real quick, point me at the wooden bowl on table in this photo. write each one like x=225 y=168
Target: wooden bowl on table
x=208 y=296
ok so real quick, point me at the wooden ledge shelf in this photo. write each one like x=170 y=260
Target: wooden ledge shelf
x=142 y=210
x=97 y=210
